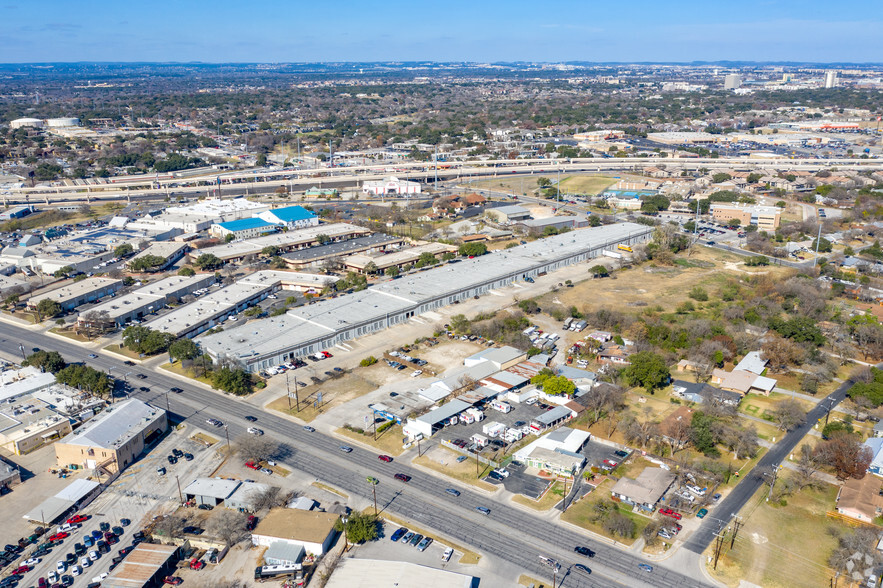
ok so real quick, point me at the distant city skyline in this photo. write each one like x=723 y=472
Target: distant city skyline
x=224 y=31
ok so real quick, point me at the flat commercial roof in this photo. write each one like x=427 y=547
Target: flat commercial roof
x=155 y=292
x=244 y=224
x=115 y=425
x=192 y=316
x=376 y=303
x=75 y=290
x=371 y=573
x=341 y=248
x=410 y=255
x=245 y=247
x=213 y=487
x=137 y=569
x=23 y=381
x=444 y=412
x=290 y=214
x=164 y=249
x=53 y=507
x=549 y=417
x=309 y=526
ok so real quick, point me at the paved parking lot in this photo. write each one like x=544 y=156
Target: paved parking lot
x=520 y=412
x=596 y=453
x=520 y=482
x=491 y=572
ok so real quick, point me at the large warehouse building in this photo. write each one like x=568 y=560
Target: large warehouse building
x=309 y=329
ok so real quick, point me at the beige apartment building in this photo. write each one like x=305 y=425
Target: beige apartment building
x=765 y=217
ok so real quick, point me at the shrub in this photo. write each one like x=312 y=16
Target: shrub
x=370 y=360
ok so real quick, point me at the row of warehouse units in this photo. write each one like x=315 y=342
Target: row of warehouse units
x=307 y=330
x=502 y=378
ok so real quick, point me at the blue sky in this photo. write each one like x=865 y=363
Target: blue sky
x=480 y=30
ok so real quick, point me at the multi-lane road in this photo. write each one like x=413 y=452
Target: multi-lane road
x=267 y=181
x=517 y=537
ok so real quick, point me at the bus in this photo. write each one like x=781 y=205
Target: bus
x=624 y=248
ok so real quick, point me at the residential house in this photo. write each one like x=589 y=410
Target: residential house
x=861 y=500
x=875 y=444
x=698 y=393
x=752 y=362
x=613 y=353
x=646 y=490
x=743 y=382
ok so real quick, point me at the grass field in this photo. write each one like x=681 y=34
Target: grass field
x=648 y=286
x=553 y=495
x=177 y=368
x=334 y=393
x=118 y=348
x=331 y=489
x=587 y=185
x=388 y=442
x=781 y=547
x=64 y=332
x=444 y=461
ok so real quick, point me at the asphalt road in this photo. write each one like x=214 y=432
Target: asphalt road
x=742 y=493
x=517 y=537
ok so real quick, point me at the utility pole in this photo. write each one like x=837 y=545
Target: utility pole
x=180 y=496
x=818 y=242
x=564 y=508
x=772 y=485
x=374 y=424
x=718 y=546
x=737 y=524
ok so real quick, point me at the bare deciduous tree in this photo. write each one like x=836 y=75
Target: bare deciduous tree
x=227 y=525
x=788 y=414
x=255 y=448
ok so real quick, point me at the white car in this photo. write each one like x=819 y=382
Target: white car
x=76 y=571
x=447 y=554
x=255 y=431
x=416 y=373
x=52 y=577
x=504 y=473
x=60 y=567
x=85 y=562
x=93 y=555
x=32 y=562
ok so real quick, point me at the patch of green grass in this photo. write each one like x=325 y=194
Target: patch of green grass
x=783 y=546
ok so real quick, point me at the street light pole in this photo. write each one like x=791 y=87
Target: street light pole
x=227 y=434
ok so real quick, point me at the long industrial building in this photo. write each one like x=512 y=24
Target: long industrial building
x=213 y=309
x=309 y=329
x=288 y=241
x=144 y=301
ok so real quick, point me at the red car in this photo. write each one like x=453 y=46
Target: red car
x=21 y=571
x=402 y=477
x=670 y=513
x=385 y=458
x=173 y=580
x=252 y=465
x=77 y=519
x=195 y=564
x=59 y=536
x=251 y=523
x=326 y=354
